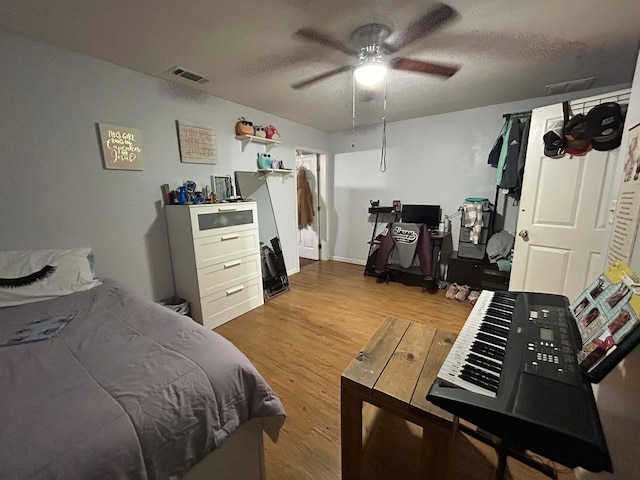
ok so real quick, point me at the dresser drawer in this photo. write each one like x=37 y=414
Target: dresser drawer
x=227 y=274
x=223 y=248
x=220 y=219
x=231 y=302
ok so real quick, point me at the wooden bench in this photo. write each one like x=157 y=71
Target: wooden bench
x=394 y=372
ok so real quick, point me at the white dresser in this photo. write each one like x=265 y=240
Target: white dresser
x=215 y=252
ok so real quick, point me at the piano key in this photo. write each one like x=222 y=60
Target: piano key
x=484 y=372
x=507 y=296
x=478 y=382
x=504 y=314
x=491 y=339
x=485 y=336
x=494 y=330
x=497 y=321
x=484 y=362
x=479 y=378
x=485 y=375
x=488 y=350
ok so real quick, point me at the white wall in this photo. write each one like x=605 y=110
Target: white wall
x=434 y=160
x=55 y=191
x=618 y=393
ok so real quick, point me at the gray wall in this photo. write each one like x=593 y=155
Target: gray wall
x=440 y=159
x=55 y=191
x=617 y=395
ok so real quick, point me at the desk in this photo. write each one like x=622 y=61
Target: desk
x=394 y=372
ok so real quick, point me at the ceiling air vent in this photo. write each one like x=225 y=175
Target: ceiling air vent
x=184 y=73
x=572 y=86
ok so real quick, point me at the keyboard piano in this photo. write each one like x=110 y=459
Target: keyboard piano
x=513 y=372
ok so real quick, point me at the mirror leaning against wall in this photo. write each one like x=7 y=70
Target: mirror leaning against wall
x=253 y=186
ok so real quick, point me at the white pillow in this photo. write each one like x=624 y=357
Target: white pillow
x=33 y=275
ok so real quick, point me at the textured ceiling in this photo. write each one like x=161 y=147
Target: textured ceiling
x=507 y=50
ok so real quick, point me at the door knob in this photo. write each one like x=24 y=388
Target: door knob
x=524 y=234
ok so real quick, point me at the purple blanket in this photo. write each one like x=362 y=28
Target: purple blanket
x=128 y=389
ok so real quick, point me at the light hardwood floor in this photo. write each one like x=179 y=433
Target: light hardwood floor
x=302 y=340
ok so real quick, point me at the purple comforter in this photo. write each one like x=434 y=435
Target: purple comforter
x=128 y=389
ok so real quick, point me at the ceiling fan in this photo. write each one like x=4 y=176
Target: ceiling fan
x=371 y=45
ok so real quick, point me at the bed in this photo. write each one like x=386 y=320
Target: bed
x=101 y=383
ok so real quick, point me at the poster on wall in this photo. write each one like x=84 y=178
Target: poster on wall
x=625 y=221
x=607 y=316
x=121 y=147
x=197 y=143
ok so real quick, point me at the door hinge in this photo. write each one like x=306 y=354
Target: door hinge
x=318 y=207
x=319 y=246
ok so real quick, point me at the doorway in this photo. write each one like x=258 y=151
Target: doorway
x=312 y=237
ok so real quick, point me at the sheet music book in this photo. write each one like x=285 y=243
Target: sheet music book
x=607 y=315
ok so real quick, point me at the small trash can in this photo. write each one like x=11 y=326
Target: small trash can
x=176 y=304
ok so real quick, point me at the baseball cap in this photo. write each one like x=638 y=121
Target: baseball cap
x=605 y=123
x=553 y=140
x=577 y=135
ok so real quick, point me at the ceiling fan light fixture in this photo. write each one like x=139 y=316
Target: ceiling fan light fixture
x=370 y=72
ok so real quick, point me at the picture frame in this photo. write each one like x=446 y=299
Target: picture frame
x=121 y=147
x=221 y=186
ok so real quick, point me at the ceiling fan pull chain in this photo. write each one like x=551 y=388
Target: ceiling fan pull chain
x=383 y=155
x=353 y=112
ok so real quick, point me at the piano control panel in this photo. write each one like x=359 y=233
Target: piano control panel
x=549 y=349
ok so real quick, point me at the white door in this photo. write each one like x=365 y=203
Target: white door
x=309 y=236
x=563 y=221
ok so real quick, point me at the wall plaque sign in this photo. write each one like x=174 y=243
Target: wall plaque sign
x=197 y=143
x=121 y=147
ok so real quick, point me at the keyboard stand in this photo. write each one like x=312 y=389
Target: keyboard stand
x=503 y=451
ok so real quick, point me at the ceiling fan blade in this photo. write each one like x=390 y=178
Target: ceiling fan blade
x=318 y=78
x=423 y=67
x=435 y=18
x=324 y=39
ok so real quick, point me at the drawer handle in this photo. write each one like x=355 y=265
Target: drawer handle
x=235 y=290
x=232 y=264
x=227 y=209
x=229 y=237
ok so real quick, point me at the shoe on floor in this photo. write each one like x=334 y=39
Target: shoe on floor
x=451 y=291
x=463 y=293
x=473 y=295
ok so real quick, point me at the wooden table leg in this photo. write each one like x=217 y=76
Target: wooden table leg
x=351 y=434
x=436 y=450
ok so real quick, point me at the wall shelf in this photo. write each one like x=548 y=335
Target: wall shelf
x=268 y=171
x=267 y=142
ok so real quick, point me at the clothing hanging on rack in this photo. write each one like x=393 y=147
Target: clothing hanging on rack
x=472 y=218
x=509 y=151
x=522 y=155
x=305 y=199
x=411 y=243
x=510 y=141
